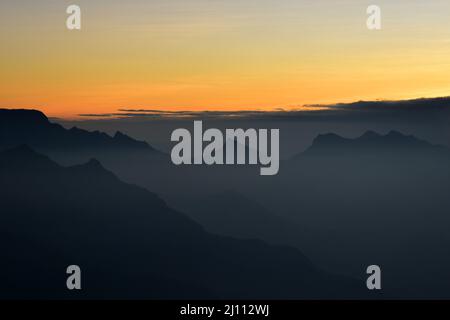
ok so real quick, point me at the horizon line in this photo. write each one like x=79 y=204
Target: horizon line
x=129 y=112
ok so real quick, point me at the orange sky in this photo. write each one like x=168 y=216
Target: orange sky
x=200 y=54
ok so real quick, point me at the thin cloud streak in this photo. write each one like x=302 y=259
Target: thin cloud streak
x=410 y=110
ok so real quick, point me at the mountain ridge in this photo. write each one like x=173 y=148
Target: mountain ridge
x=370 y=142
x=32 y=127
x=125 y=238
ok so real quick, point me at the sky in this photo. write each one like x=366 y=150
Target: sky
x=219 y=54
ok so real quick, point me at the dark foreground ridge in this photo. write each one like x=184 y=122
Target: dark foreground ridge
x=130 y=244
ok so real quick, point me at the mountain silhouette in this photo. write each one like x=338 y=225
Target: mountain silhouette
x=33 y=128
x=371 y=143
x=130 y=244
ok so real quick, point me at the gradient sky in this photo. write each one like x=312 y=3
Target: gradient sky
x=219 y=54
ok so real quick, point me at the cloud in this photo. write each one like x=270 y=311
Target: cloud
x=416 y=110
x=424 y=109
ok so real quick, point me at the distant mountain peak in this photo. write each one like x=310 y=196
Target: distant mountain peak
x=24 y=157
x=327 y=139
x=119 y=135
x=93 y=167
x=369 y=142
